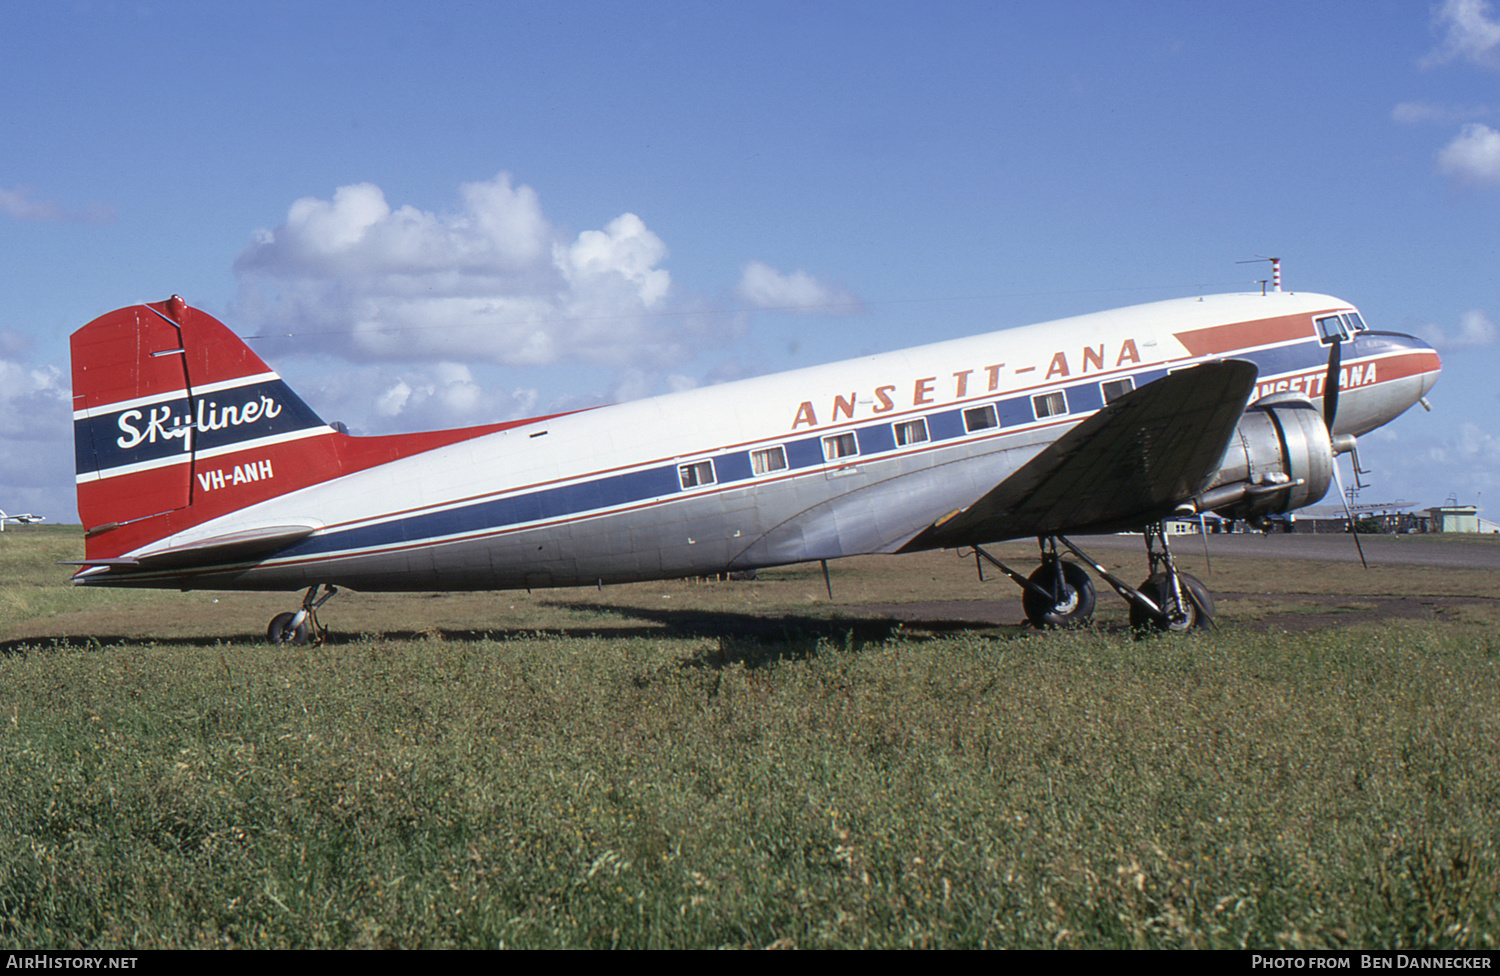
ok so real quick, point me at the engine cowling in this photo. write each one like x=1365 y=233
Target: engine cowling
x=1280 y=459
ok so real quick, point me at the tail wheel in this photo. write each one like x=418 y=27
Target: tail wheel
x=1195 y=610
x=1072 y=607
x=281 y=630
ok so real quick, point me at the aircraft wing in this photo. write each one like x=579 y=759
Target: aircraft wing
x=1129 y=464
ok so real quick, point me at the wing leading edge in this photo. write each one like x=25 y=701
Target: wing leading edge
x=1129 y=464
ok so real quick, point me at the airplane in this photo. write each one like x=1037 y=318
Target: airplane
x=198 y=468
x=27 y=519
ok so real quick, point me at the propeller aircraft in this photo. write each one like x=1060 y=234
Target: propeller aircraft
x=198 y=468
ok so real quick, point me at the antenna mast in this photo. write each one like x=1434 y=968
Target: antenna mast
x=1275 y=272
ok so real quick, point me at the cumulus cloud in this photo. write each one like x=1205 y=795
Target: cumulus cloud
x=1474 y=329
x=384 y=399
x=443 y=395
x=1473 y=157
x=35 y=403
x=18 y=203
x=1415 y=112
x=492 y=281
x=1471 y=34
x=1468 y=459
x=35 y=417
x=764 y=287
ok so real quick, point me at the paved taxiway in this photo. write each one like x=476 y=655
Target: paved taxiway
x=1451 y=551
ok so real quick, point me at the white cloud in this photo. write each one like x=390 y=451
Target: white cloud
x=35 y=420
x=1473 y=157
x=34 y=403
x=764 y=287
x=1468 y=458
x=1472 y=34
x=443 y=395
x=1415 y=112
x=1474 y=329
x=18 y=203
x=493 y=281
x=382 y=399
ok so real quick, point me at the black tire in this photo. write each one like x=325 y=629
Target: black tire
x=281 y=630
x=1196 y=611
x=1074 y=607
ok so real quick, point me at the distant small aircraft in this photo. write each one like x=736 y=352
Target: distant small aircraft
x=198 y=468
x=20 y=519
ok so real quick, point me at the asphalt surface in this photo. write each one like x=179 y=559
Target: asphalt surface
x=1302 y=612
x=1456 y=552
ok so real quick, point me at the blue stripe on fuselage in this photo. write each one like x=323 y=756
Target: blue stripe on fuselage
x=733 y=467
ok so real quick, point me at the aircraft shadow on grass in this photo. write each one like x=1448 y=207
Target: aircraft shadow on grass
x=744 y=639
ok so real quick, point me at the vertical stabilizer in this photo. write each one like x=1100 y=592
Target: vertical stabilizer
x=170 y=408
x=176 y=422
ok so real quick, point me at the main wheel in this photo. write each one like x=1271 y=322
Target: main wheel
x=1196 y=610
x=1071 y=608
x=281 y=630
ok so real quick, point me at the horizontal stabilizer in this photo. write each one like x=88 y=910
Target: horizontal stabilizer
x=234 y=547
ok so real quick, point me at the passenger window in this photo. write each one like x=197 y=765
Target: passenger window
x=911 y=432
x=696 y=474
x=768 y=460
x=1114 y=389
x=1049 y=404
x=839 y=446
x=980 y=418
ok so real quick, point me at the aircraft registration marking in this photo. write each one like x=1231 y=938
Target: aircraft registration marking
x=238 y=475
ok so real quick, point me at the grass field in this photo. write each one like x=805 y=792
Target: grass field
x=748 y=764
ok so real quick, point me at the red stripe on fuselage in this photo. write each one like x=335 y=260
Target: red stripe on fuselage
x=1353 y=374
x=1236 y=336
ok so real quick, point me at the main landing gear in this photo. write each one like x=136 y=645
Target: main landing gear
x=1060 y=594
x=302 y=627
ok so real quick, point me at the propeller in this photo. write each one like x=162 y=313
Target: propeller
x=1330 y=413
x=1338 y=480
x=1331 y=383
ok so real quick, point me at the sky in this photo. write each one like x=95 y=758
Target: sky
x=435 y=214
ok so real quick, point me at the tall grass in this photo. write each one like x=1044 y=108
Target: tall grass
x=813 y=789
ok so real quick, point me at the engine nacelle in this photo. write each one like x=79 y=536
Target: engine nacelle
x=1280 y=459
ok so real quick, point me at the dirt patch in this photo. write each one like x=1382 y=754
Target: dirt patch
x=1291 y=613
x=1301 y=612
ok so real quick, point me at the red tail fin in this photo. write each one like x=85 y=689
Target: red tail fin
x=169 y=408
x=176 y=421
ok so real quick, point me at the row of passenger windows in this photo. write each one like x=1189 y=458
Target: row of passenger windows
x=1055 y=404
x=906 y=432
x=765 y=461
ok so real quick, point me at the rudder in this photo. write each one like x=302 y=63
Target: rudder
x=169 y=407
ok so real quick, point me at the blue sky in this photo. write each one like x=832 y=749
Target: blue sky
x=468 y=212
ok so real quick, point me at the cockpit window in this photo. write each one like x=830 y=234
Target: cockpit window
x=1331 y=327
x=1354 y=322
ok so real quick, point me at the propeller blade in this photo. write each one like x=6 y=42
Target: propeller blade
x=1338 y=480
x=1331 y=384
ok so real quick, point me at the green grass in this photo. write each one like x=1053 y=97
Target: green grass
x=814 y=782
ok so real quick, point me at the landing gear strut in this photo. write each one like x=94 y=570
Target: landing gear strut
x=1060 y=594
x=1182 y=601
x=302 y=627
x=1056 y=594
